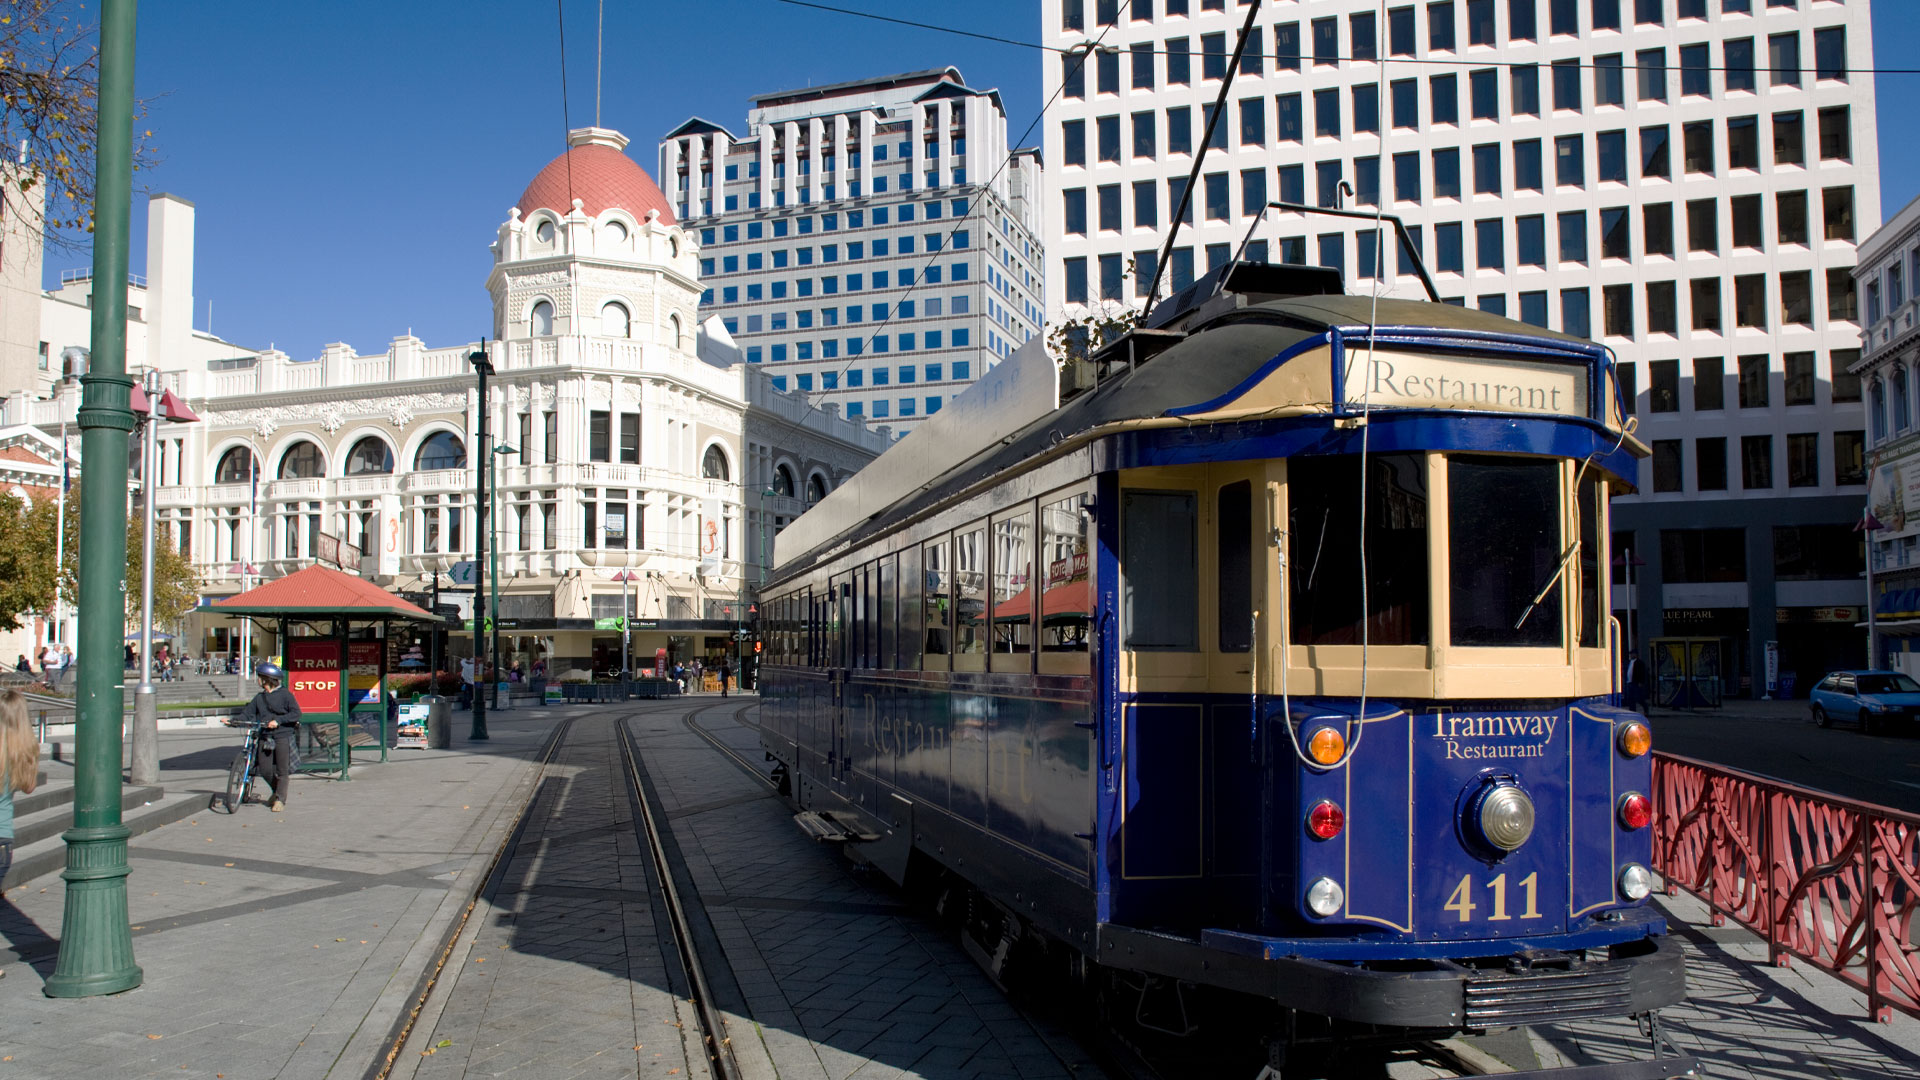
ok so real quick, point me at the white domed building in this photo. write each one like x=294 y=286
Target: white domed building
x=629 y=439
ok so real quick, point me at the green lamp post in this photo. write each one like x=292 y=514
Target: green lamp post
x=96 y=940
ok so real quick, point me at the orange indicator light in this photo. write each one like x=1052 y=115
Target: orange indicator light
x=1327 y=746
x=1635 y=739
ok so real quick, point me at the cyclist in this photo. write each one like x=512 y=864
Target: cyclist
x=278 y=715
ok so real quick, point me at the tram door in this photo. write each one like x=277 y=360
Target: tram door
x=842 y=662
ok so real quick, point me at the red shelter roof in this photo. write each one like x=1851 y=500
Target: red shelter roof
x=322 y=590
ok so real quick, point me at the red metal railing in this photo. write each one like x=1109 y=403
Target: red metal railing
x=1830 y=880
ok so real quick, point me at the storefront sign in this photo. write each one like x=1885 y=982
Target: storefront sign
x=1689 y=615
x=364 y=670
x=313 y=674
x=552 y=695
x=1846 y=615
x=1427 y=381
x=1773 y=667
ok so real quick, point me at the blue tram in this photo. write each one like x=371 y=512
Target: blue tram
x=1276 y=660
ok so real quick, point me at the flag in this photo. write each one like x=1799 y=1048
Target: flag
x=1868 y=523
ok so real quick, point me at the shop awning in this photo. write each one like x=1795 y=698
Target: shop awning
x=322 y=592
x=1068 y=601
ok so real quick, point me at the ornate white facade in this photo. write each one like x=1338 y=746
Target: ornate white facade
x=639 y=440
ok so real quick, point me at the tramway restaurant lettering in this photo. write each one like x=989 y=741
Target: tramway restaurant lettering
x=1487 y=737
x=1415 y=380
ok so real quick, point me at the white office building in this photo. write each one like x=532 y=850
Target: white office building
x=873 y=244
x=1684 y=180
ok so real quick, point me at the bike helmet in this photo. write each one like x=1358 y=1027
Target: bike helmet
x=270 y=670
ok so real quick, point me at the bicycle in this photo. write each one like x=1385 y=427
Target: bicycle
x=240 y=774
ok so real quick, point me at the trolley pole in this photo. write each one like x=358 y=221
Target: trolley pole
x=96 y=942
x=483 y=465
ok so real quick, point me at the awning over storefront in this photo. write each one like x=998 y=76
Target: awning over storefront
x=321 y=592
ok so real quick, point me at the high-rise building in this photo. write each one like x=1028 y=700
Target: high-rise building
x=875 y=244
x=1683 y=180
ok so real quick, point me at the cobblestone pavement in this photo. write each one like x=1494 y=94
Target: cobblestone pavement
x=273 y=945
x=819 y=974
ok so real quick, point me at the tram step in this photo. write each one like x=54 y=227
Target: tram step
x=823 y=827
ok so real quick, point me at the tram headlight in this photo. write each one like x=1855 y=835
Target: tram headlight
x=1635 y=739
x=1326 y=819
x=1325 y=896
x=1636 y=810
x=1506 y=817
x=1636 y=882
x=1327 y=746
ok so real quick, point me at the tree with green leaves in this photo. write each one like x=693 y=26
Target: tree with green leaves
x=26 y=560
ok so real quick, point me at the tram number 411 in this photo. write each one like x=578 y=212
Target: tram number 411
x=1462 y=899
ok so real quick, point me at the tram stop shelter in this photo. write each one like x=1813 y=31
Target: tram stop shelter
x=340 y=681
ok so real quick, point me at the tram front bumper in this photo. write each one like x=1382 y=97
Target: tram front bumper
x=1527 y=985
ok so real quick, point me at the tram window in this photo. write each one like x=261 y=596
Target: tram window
x=913 y=587
x=1235 y=524
x=1505 y=537
x=1593 y=504
x=863 y=612
x=842 y=615
x=1159 y=570
x=1323 y=550
x=970 y=591
x=937 y=601
x=1066 y=601
x=1013 y=585
x=889 y=595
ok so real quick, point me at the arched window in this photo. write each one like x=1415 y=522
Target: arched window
x=614 y=321
x=673 y=246
x=301 y=462
x=542 y=319
x=816 y=488
x=673 y=331
x=783 y=481
x=370 y=455
x=442 y=450
x=236 y=466
x=1879 y=410
x=544 y=231
x=713 y=466
x=616 y=232
x=1902 y=409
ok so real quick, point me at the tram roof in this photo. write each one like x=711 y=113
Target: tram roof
x=1215 y=357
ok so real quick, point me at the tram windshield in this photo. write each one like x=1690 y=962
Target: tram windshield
x=1323 y=497
x=1507 y=551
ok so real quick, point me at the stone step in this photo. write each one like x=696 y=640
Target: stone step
x=49 y=854
x=54 y=817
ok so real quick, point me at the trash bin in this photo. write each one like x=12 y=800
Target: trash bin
x=439 y=722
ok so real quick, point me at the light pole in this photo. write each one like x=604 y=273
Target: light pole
x=96 y=939
x=493 y=607
x=144 y=767
x=482 y=467
x=625 y=577
x=73 y=364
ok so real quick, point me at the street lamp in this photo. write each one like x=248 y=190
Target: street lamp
x=626 y=627
x=493 y=605
x=144 y=767
x=482 y=470
x=96 y=937
x=73 y=364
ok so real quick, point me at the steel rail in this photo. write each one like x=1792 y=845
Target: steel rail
x=719 y=1047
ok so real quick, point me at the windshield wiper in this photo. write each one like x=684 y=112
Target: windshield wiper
x=1558 y=569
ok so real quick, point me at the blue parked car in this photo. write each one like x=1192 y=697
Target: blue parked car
x=1873 y=699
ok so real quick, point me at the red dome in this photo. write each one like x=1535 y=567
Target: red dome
x=602 y=177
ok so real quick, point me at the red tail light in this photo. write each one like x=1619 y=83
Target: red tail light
x=1636 y=810
x=1326 y=819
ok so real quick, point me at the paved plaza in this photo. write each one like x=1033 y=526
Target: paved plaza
x=295 y=945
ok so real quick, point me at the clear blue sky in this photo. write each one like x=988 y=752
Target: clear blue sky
x=350 y=161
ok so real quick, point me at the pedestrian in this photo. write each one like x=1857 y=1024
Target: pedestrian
x=680 y=676
x=24 y=665
x=50 y=659
x=130 y=657
x=60 y=669
x=724 y=672
x=278 y=714
x=466 y=683
x=161 y=660
x=1633 y=694
x=19 y=767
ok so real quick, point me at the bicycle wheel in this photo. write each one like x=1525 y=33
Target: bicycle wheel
x=239 y=779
